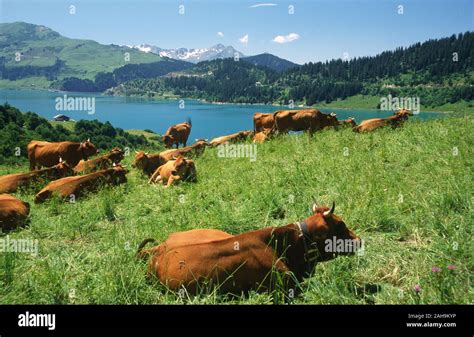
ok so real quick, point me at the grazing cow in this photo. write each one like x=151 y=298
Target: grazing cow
x=245 y=262
x=80 y=185
x=107 y=160
x=394 y=121
x=262 y=121
x=148 y=163
x=177 y=134
x=303 y=120
x=13 y=212
x=196 y=149
x=11 y=182
x=262 y=136
x=241 y=135
x=47 y=154
x=174 y=171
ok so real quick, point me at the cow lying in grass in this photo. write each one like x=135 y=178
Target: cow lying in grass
x=12 y=182
x=394 y=121
x=262 y=136
x=347 y=122
x=147 y=163
x=173 y=171
x=238 y=136
x=78 y=186
x=46 y=154
x=107 y=160
x=196 y=149
x=245 y=262
x=13 y=212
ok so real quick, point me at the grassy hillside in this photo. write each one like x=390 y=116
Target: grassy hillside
x=406 y=192
x=40 y=47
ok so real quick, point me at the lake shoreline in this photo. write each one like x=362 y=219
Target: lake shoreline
x=200 y=100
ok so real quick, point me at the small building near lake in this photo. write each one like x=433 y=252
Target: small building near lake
x=61 y=118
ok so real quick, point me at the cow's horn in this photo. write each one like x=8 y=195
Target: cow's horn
x=113 y=164
x=88 y=139
x=331 y=211
x=314 y=207
x=333 y=114
x=60 y=160
x=137 y=152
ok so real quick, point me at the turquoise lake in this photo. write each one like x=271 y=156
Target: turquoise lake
x=209 y=120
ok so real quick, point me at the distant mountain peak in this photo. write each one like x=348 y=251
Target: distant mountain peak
x=193 y=55
x=270 y=61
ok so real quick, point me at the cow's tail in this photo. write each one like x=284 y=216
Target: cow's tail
x=188 y=120
x=31 y=148
x=143 y=254
x=274 y=128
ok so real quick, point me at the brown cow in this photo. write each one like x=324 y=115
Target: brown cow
x=241 y=135
x=148 y=163
x=80 y=185
x=246 y=261
x=174 y=171
x=13 y=212
x=48 y=154
x=262 y=121
x=394 y=121
x=177 y=134
x=303 y=120
x=107 y=160
x=11 y=182
x=197 y=148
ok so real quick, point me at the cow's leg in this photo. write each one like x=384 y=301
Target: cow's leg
x=32 y=160
x=172 y=179
x=154 y=177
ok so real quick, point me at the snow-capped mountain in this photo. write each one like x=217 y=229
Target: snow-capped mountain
x=194 y=55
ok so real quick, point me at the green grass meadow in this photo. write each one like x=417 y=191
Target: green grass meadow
x=406 y=192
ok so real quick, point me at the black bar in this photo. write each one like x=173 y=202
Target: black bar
x=153 y=318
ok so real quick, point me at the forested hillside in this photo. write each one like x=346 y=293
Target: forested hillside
x=438 y=71
x=18 y=129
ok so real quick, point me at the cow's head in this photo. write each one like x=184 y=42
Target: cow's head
x=403 y=113
x=349 y=122
x=117 y=174
x=116 y=155
x=330 y=235
x=168 y=141
x=88 y=149
x=141 y=159
x=180 y=165
x=190 y=174
x=329 y=119
x=62 y=169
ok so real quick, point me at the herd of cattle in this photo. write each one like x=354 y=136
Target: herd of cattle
x=234 y=263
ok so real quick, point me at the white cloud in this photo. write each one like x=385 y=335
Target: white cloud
x=268 y=4
x=244 y=39
x=286 y=38
x=220 y=34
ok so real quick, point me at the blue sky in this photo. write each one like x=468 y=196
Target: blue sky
x=317 y=31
